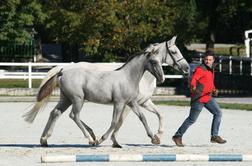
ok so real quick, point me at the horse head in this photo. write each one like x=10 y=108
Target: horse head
x=154 y=65
x=169 y=53
x=174 y=57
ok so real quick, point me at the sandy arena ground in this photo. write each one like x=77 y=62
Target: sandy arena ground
x=19 y=141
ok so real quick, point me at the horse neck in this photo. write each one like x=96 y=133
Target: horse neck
x=135 y=68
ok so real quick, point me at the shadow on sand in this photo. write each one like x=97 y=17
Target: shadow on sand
x=49 y=146
x=148 y=145
x=89 y=146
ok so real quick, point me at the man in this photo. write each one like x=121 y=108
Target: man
x=202 y=88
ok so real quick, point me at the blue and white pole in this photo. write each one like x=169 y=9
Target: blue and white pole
x=145 y=158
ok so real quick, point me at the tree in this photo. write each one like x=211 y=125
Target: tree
x=111 y=29
x=18 y=19
x=223 y=20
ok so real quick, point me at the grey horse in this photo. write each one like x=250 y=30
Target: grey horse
x=167 y=53
x=119 y=87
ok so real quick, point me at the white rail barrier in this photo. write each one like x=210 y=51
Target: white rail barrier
x=248 y=43
x=30 y=75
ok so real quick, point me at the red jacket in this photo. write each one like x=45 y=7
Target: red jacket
x=203 y=84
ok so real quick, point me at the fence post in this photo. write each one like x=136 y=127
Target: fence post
x=230 y=64
x=34 y=58
x=251 y=66
x=240 y=66
x=220 y=65
x=29 y=74
x=200 y=58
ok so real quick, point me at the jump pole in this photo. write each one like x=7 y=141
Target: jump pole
x=146 y=158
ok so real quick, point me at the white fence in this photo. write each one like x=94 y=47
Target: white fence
x=230 y=64
x=248 y=43
x=29 y=74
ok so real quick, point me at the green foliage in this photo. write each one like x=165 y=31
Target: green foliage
x=227 y=19
x=113 y=29
x=18 y=18
x=109 y=30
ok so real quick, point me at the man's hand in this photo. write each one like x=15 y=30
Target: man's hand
x=215 y=92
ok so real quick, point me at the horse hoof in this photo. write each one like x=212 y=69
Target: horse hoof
x=156 y=140
x=44 y=145
x=116 y=146
x=96 y=143
x=92 y=143
x=43 y=142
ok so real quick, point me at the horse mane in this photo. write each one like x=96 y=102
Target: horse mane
x=132 y=57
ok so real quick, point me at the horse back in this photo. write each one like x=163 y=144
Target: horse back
x=95 y=86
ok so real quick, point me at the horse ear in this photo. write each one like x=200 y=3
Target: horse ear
x=173 y=40
x=150 y=53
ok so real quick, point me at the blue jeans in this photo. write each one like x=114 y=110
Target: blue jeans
x=196 y=107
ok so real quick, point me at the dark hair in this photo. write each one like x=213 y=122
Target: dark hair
x=209 y=53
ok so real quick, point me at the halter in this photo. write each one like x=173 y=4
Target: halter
x=175 y=62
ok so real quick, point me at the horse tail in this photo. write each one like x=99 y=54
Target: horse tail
x=48 y=84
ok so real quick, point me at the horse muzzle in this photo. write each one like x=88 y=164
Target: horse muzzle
x=186 y=74
x=160 y=79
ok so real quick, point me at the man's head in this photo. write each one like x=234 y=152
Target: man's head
x=209 y=59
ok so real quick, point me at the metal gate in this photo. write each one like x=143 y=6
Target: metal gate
x=11 y=51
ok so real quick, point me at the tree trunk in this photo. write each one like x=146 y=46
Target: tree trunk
x=210 y=41
x=212 y=14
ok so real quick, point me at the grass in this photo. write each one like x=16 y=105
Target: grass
x=4 y=83
x=247 y=107
x=17 y=83
x=226 y=51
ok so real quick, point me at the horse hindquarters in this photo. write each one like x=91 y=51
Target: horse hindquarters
x=43 y=95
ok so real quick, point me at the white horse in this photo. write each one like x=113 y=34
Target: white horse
x=119 y=87
x=167 y=52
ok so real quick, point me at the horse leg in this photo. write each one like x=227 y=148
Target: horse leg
x=118 y=126
x=75 y=115
x=61 y=107
x=136 y=108
x=89 y=130
x=118 y=108
x=150 y=106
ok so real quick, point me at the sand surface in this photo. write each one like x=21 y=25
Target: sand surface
x=19 y=141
